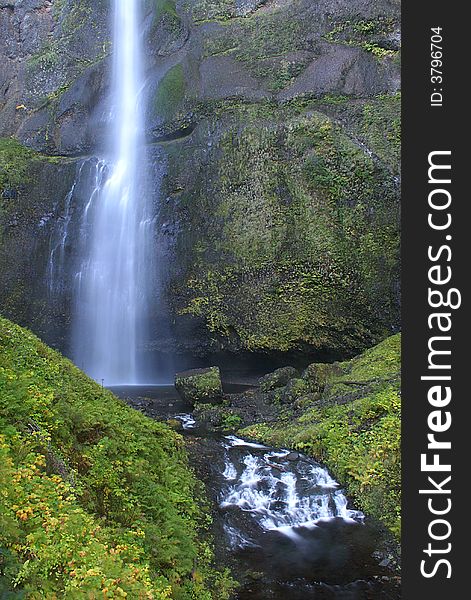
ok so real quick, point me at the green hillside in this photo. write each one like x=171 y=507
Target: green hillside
x=96 y=500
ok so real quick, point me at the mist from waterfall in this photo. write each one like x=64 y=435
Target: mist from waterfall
x=110 y=284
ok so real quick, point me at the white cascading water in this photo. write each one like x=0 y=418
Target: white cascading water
x=278 y=493
x=110 y=283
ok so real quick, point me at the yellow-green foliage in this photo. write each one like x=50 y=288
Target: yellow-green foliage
x=381 y=128
x=364 y=34
x=302 y=240
x=14 y=160
x=96 y=499
x=207 y=10
x=165 y=14
x=355 y=430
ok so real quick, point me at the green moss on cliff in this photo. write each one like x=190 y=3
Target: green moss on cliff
x=14 y=161
x=355 y=429
x=166 y=7
x=165 y=14
x=266 y=44
x=170 y=92
x=208 y=10
x=366 y=34
x=296 y=238
x=381 y=128
x=78 y=40
x=96 y=498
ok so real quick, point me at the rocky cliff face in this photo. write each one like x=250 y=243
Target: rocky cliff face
x=278 y=125
x=53 y=63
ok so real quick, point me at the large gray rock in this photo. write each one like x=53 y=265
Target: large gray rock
x=46 y=48
x=200 y=385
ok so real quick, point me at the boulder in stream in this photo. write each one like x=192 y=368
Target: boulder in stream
x=200 y=385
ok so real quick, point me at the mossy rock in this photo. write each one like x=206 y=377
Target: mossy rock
x=316 y=376
x=217 y=417
x=277 y=379
x=15 y=162
x=200 y=385
x=170 y=92
x=287 y=231
x=174 y=424
x=304 y=402
x=294 y=389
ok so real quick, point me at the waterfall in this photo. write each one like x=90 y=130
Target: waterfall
x=279 y=494
x=110 y=285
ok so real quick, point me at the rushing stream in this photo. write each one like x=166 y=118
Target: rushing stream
x=281 y=522
x=281 y=490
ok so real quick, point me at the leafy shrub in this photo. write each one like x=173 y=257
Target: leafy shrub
x=97 y=500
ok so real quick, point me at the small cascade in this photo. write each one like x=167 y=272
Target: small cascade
x=187 y=420
x=280 y=494
x=56 y=266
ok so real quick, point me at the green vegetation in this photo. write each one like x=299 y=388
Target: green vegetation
x=14 y=160
x=217 y=416
x=209 y=10
x=353 y=426
x=164 y=15
x=166 y=7
x=231 y=421
x=96 y=500
x=170 y=92
x=381 y=128
x=65 y=55
x=364 y=34
x=295 y=236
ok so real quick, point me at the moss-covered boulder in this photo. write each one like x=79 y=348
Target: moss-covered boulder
x=316 y=375
x=279 y=378
x=294 y=389
x=200 y=385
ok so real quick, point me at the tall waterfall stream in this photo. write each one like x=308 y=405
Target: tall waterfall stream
x=111 y=279
x=113 y=222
